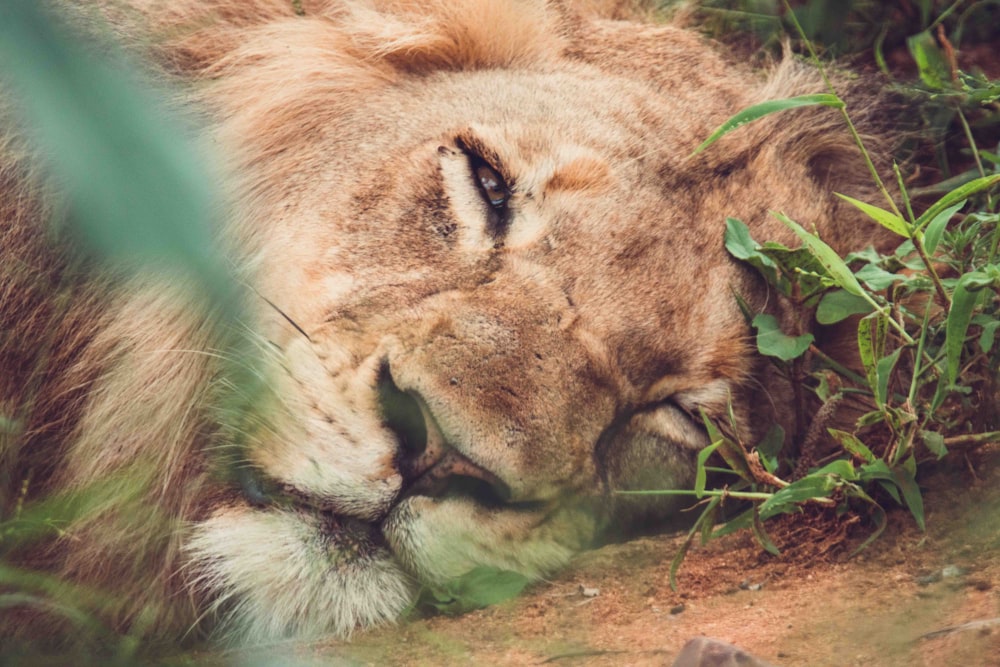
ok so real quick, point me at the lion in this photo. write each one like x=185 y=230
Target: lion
x=488 y=280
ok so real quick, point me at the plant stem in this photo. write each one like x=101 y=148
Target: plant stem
x=945 y=14
x=917 y=370
x=838 y=367
x=843 y=111
x=917 y=241
x=972 y=440
x=743 y=495
x=972 y=142
x=990 y=201
x=938 y=285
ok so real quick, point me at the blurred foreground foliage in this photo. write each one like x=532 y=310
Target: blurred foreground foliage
x=135 y=198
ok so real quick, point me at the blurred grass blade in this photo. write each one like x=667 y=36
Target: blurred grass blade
x=137 y=191
x=479 y=588
x=758 y=111
x=878 y=518
x=887 y=219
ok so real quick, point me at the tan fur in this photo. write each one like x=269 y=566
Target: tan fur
x=554 y=358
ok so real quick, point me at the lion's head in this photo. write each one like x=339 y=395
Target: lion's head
x=492 y=290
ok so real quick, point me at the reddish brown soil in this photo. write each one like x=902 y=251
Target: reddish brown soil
x=811 y=606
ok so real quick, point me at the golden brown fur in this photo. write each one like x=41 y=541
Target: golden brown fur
x=556 y=350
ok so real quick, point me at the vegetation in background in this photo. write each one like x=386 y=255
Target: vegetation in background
x=928 y=313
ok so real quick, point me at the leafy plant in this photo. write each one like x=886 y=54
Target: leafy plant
x=927 y=314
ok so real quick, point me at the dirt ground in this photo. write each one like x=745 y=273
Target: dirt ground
x=810 y=606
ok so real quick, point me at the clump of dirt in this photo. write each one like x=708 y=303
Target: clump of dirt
x=911 y=598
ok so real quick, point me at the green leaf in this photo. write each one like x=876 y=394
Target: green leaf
x=869 y=256
x=769 y=446
x=738 y=522
x=798 y=266
x=830 y=260
x=771 y=341
x=851 y=444
x=871 y=341
x=959 y=194
x=840 y=304
x=987 y=337
x=887 y=219
x=883 y=373
x=876 y=469
x=741 y=245
x=809 y=487
x=911 y=493
x=934 y=442
x=732 y=454
x=875 y=277
x=706 y=518
x=932 y=63
x=700 y=474
x=889 y=485
x=932 y=236
x=762 y=537
x=839 y=467
x=963 y=301
x=758 y=111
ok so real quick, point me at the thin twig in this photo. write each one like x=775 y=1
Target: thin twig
x=971 y=440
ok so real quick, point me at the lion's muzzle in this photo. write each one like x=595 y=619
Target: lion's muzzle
x=429 y=465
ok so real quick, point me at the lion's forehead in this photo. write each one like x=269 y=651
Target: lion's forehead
x=590 y=220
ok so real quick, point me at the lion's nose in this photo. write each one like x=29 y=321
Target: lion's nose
x=429 y=464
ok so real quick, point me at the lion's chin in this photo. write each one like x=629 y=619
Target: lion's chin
x=276 y=573
x=440 y=539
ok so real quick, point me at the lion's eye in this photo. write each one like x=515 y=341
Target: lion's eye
x=492 y=185
x=493 y=188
